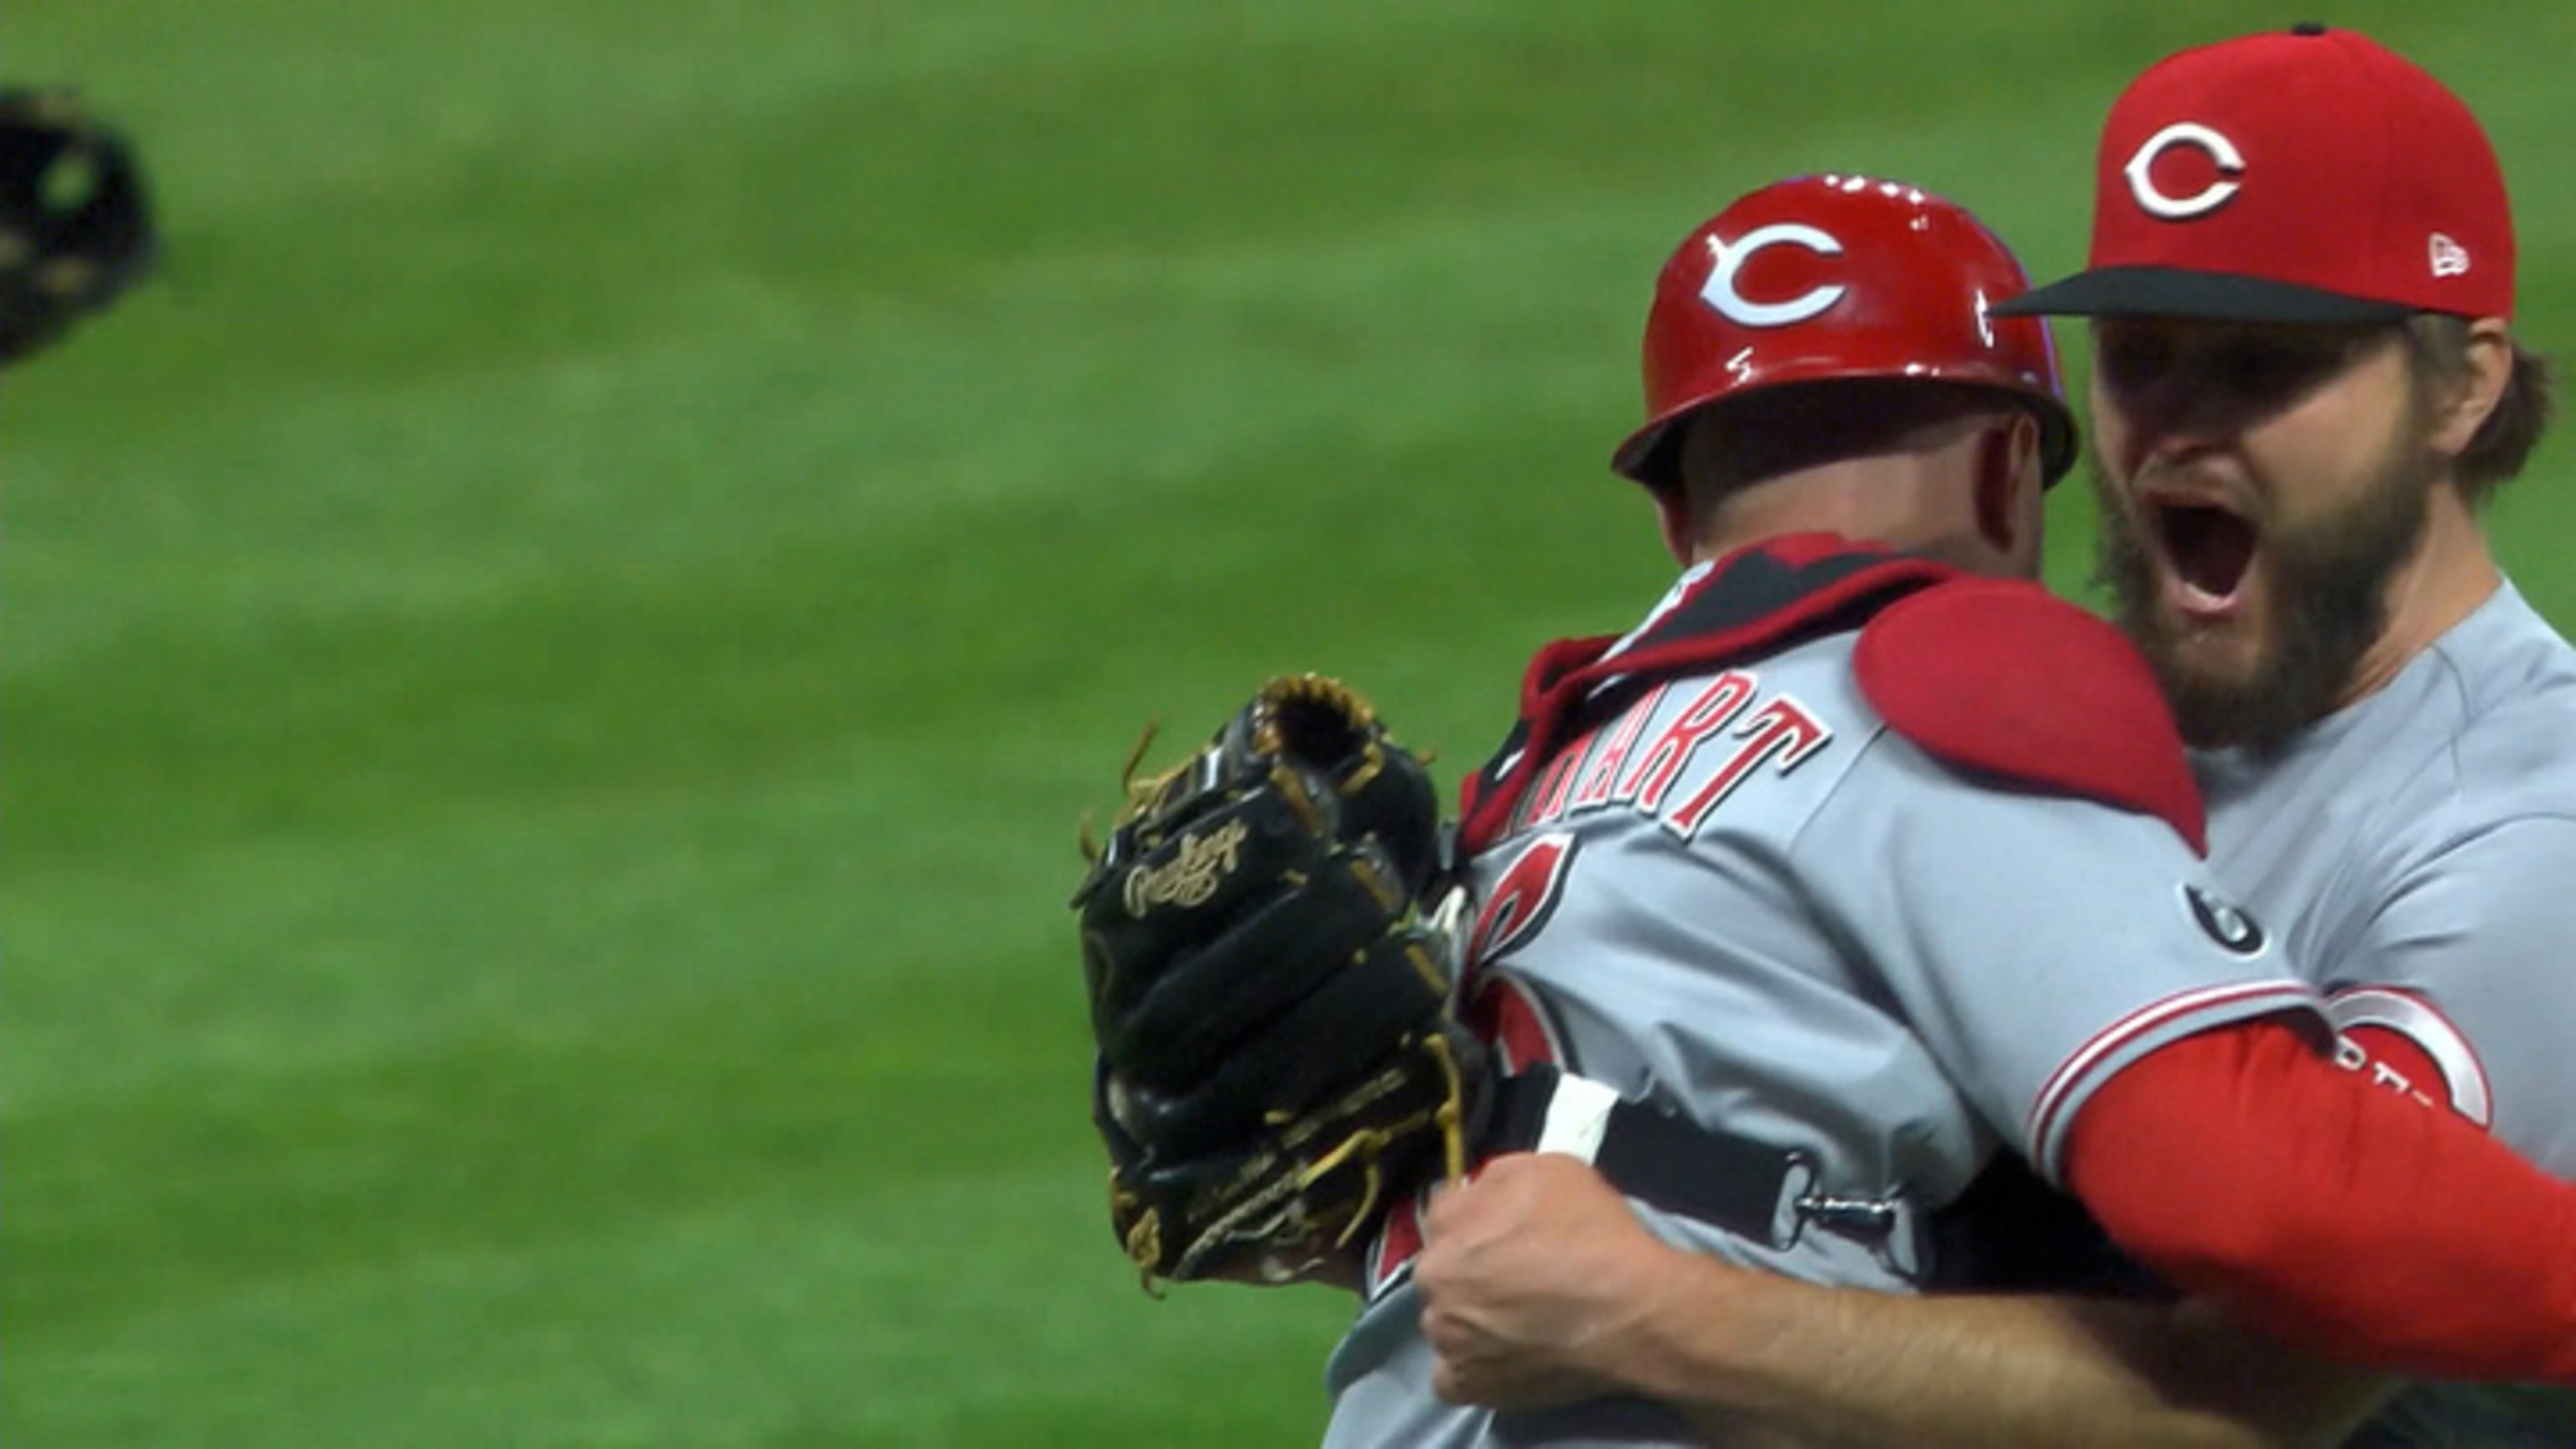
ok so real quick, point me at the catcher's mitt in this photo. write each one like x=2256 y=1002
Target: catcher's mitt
x=74 y=227
x=1278 y=1062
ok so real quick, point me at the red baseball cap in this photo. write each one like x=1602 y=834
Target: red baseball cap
x=2312 y=175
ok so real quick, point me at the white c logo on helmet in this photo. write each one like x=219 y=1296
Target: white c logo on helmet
x=1719 y=292
x=2142 y=185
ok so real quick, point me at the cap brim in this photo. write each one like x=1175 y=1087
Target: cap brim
x=2173 y=292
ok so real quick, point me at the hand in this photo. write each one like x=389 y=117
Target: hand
x=1529 y=1274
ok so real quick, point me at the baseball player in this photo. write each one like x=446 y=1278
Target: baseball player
x=1848 y=869
x=2293 y=440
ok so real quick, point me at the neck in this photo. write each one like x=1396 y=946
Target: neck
x=2449 y=576
x=1878 y=499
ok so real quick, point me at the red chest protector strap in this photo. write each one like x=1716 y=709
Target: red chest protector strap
x=2001 y=679
x=1752 y=602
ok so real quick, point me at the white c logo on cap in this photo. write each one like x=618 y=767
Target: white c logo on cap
x=2142 y=185
x=1719 y=292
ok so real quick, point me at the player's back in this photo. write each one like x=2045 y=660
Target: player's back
x=1661 y=920
x=1735 y=891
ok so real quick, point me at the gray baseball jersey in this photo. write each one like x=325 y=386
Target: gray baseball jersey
x=2417 y=853
x=1738 y=892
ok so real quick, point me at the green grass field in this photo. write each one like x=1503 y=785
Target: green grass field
x=554 y=653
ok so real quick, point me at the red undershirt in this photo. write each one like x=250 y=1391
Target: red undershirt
x=2243 y=1166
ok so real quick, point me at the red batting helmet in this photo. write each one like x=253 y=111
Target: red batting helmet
x=1822 y=278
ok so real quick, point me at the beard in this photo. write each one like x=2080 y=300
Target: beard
x=2325 y=603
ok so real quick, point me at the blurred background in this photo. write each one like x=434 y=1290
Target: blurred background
x=554 y=652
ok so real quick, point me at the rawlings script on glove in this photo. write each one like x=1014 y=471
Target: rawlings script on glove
x=1278 y=1062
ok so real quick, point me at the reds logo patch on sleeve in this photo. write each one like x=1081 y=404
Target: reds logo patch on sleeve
x=2405 y=1043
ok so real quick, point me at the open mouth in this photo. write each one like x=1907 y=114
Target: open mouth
x=2210 y=548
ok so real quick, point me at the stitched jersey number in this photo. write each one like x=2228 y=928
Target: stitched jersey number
x=1499 y=1009
x=1522 y=899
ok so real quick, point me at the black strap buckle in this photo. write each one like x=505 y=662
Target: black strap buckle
x=1892 y=1226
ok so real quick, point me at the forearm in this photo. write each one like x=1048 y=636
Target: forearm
x=1541 y=1287
x=1840 y=1367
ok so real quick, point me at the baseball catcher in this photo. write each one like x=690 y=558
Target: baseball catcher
x=74 y=227
x=1270 y=996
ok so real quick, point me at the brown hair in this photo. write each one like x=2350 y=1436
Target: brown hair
x=2503 y=443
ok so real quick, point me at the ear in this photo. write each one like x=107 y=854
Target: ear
x=2463 y=408
x=2008 y=487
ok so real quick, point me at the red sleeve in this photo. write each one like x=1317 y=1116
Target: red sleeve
x=2241 y=1165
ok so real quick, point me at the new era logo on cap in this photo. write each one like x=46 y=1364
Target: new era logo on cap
x=2307 y=176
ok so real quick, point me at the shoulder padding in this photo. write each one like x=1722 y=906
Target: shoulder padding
x=2001 y=678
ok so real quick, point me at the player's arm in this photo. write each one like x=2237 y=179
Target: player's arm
x=2241 y=1164
x=2236 y=1160
x=2003 y=1372
x=1540 y=1286
x=2017 y=921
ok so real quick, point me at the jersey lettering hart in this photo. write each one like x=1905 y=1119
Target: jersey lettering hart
x=1712 y=875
